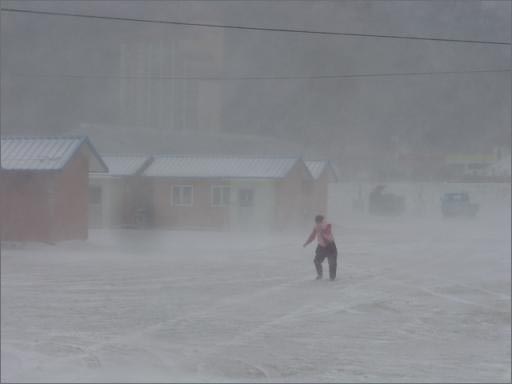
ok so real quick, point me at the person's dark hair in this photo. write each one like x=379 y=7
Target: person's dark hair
x=319 y=219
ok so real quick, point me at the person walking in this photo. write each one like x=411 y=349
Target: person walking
x=326 y=247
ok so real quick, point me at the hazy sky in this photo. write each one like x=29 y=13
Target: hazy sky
x=60 y=72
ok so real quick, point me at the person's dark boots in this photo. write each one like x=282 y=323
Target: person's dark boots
x=332 y=272
x=319 y=277
x=319 y=269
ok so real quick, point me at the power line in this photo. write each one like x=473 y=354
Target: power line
x=240 y=27
x=232 y=78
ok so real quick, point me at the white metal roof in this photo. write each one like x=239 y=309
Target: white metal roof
x=121 y=165
x=45 y=153
x=317 y=167
x=214 y=167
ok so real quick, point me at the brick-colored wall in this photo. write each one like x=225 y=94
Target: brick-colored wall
x=308 y=191
x=200 y=215
x=24 y=210
x=30 y=212
x=315 y=196
x=290 y=203
x=320 y=191
x=71 y=199
x=290 y=198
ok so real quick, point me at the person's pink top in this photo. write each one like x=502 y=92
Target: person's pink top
x=323 y=234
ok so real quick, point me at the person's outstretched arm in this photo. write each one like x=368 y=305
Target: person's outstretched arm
x=310 y=238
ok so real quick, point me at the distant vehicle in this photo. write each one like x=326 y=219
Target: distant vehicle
x=458 y=204
x=385 y=203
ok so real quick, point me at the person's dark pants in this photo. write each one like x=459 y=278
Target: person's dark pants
x=331 y=253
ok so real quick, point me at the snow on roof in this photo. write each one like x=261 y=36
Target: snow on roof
x=214 y=167
x=45 y=153
x=121 y=165
x=317 y=167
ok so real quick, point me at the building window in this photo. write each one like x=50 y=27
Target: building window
x=95 y=194
x=221 y=195
x=246 y=197
x=182 y=195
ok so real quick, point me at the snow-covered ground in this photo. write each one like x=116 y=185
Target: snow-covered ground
x=416 y=300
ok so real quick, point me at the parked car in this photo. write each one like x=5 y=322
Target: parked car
x=385 y=203
x=458 y=204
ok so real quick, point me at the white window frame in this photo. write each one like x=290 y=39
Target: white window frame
x=222 y=188
x=181 y=187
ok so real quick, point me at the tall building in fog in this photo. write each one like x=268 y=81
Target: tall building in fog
x=165 y=84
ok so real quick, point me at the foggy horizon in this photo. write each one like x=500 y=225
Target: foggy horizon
x=165 y=81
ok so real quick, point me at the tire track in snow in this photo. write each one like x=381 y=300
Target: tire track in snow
x=244 y=337
x=129 y=338
x=300 y=314
x=432 y=292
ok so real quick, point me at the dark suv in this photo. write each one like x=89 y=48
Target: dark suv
x=385 y=203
